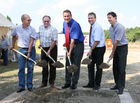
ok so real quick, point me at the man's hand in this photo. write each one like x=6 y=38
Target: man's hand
x=64 y=45
x=90 y=52
x=11 y=47
x=48 y=52
x=28 y=55
x=68 y=54
x=39 y=46
x=111 y=55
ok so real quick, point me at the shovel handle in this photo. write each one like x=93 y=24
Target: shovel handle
x=24 y=55
x=108 y=60
x=47 y=54
x=69 y=60
x=68 y=57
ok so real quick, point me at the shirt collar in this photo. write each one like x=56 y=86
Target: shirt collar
x=114 y=26
x=93 y=24
x=47 y=27
x=70 y=22
x=25 y=28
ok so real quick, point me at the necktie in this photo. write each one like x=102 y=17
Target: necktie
x=90 y=35
x=67 y=36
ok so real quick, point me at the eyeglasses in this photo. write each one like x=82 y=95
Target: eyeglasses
x=46 y=21
x=29 y=20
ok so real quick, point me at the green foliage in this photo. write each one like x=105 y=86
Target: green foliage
x=86 y=33
x=9 y=18
x=107 y=34
x=133 y=34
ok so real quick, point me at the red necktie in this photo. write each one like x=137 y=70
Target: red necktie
x=90 y=35
x=67 y=36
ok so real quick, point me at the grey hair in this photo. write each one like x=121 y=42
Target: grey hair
x=23 y=17
x=46 y=16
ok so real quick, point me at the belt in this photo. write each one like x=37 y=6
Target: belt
x=122 y=45
x=23 y=48
x=78 y=43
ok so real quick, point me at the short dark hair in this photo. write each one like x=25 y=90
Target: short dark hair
x=92 y=13
x=46 y=16
x=112 y=13
x=67 y=11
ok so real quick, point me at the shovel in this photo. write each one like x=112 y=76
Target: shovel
x=71 y=67
x=87 y=60
x=56 y=64
x=36 y=63
x=105 y=65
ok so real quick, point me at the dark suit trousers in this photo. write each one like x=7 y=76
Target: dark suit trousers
x=45 y=72
x=119 y=65
x=97 y=58
x=76 y=56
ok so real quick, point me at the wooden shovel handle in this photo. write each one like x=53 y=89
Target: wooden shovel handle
x=47 y=54
x=23 y=55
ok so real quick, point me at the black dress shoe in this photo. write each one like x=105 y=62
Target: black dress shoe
x=120 y=91
x=96 y=88
x=42 y=85
x=73 y=86
x=30 y=89
x=20 y=90
x=114 y=88
x=87 y=86
x=66 y=86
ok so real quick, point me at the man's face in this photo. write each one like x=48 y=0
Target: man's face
x=91 y=19
x=46 y=21
x=67 y=17
x=27 y=20
x=111 y=19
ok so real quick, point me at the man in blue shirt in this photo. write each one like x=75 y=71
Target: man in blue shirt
x=26 y=42
x=96 y=52
x=119 y=51
x=75 y=48
x=5 y=45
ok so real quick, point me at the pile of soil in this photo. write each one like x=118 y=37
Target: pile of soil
x=55 y=95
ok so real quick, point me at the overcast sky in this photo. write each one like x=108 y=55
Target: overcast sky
x=128 y=11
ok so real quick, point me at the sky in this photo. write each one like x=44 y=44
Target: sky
x=128 y=11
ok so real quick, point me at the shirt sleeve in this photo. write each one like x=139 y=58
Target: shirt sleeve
x=8 y=43
x=14 y=32
x=64 y=30
x=97 y=34
x=54 y=34
x=34 y=34
x=75 y=31
x=119 y=33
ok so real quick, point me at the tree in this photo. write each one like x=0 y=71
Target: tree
x=9 y=18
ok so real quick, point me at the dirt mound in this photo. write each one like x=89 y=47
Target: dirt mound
x=55 y=95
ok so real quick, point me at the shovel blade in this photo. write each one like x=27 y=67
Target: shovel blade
x=41 y=63
x=58 y=64
x=72 y=68
x=86 y=61
x=104 y=65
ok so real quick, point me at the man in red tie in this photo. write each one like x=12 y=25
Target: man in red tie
x=74 y=45
x=96 y=52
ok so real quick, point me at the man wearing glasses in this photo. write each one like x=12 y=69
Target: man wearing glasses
x=48 y=41
x=26 y=41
